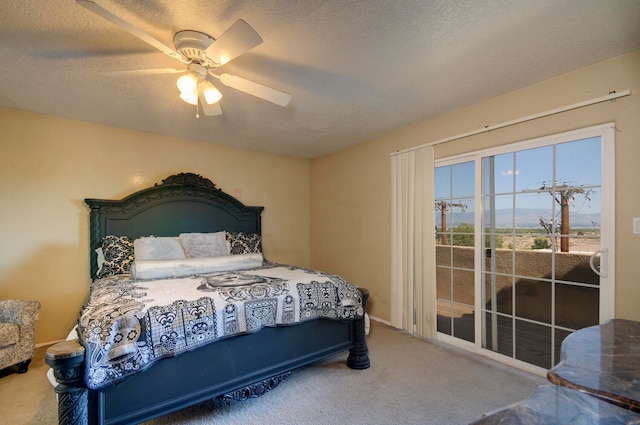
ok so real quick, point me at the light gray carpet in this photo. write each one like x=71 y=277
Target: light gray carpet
x=411 y=381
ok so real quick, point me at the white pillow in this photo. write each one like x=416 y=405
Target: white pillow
x=193 y=266
x=200 y=245
x=154 y=249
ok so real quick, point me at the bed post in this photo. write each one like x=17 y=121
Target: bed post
x=359 y=353
x=67 y=361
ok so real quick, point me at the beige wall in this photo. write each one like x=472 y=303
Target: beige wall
x=340 y=202
x=350 y=190
x=49 y=165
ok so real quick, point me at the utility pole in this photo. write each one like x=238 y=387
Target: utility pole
x=564 y=195
x=444 y=207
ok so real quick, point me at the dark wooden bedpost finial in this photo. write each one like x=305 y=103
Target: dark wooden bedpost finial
x=67 y=361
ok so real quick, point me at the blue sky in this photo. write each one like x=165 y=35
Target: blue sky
x=521 y=175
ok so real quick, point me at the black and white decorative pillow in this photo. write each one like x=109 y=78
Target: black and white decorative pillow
x=118 y=255
x=244 y=243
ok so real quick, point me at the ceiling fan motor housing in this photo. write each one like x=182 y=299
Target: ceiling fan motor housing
x=192 y=44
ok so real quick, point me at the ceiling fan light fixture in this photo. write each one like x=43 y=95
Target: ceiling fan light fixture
x=188 y=85
x=191 y=98
x=211 y=93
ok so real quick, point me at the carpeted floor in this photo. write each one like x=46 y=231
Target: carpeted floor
x=28 y=398
x=411 y=381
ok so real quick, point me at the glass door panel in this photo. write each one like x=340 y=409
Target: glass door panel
x=533 y=300
x=541 y=216
x=533 y=341
x=455 y=240
x=498 y=334
x=575 y=304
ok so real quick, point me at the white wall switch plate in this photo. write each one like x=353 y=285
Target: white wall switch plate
x=636 y=225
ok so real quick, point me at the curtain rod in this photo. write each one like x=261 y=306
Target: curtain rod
x=611 y=96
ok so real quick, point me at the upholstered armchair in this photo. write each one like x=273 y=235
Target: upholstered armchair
x=17 y=333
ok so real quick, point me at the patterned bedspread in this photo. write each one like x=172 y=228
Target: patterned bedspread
x=129 y=324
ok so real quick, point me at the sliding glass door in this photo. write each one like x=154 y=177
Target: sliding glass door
x=534 y=240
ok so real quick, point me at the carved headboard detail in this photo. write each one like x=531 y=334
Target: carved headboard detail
x=188 y=179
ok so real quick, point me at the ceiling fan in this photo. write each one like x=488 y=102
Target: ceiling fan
x=202 y=55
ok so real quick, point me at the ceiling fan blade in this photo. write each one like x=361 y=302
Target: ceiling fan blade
x=130 y=28
x=236 y=40
x=256 y=89
x=150 y=71
x=209 y=110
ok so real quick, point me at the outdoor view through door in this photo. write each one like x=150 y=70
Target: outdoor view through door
x=455 y=200
x=535 y=262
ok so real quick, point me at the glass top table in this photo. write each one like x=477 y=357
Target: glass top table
x=554 y=405
x=604 y=361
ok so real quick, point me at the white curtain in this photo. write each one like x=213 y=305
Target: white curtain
x=413 y=283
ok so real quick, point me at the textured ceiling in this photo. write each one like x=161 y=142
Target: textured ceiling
x=355 y=69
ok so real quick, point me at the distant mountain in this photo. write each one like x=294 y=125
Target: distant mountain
x=525 y=218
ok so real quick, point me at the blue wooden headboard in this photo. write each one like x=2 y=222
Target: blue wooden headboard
x=182 y=203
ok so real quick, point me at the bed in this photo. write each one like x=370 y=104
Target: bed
x=236 y=361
